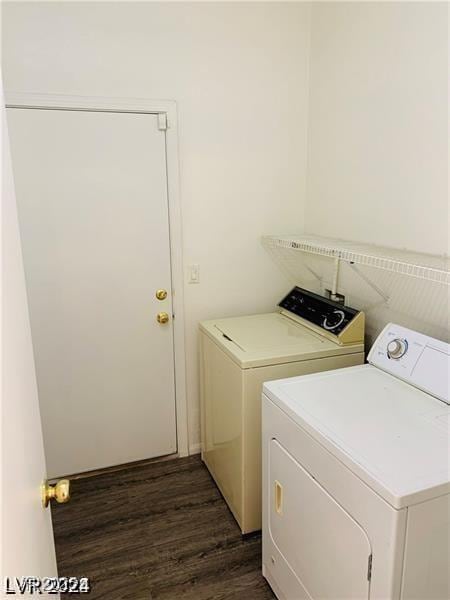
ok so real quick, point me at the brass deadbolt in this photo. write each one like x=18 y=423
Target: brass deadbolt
x=162 y=318
x=60 y=492
x=161 y=294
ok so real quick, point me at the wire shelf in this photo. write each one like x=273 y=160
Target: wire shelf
x=427 y=267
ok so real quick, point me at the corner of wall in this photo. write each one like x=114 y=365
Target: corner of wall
x=308 y=121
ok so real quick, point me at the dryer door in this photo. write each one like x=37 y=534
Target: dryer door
x=325 y=548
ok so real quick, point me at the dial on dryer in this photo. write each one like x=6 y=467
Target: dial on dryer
x=397 y=348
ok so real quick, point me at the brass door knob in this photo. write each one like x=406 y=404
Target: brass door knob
x=162 y=317
x=161 y=294
x=60 y=492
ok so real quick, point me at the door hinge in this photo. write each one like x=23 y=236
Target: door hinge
x=369 y=568
x=162 y=121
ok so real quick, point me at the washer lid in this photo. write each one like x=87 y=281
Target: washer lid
x=268 y=339
x=390 y=434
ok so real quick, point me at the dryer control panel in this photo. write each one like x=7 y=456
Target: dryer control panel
x=330 y=318
x=414 y=357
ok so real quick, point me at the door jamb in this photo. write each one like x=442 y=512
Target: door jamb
x=142 y=106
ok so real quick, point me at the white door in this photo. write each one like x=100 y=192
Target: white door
x=92 y=196
x=324 y=546
x=27 y=536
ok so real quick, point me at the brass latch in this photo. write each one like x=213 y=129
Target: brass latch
x=162 y=317
x=60 y=492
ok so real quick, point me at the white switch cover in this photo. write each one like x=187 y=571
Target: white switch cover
x=194 y=274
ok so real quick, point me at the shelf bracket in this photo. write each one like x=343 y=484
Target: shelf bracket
x=313 y=273
x=364 y=277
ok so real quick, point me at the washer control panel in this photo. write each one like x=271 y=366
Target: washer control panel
x=418 y=359
x=328 y=315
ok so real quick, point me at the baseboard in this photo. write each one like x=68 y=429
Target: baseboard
x=195 y=448
x=113 y=468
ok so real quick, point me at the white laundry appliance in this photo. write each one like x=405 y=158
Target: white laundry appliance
x=356 y=492
x=308 y=334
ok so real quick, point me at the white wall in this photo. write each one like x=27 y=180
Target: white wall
x=238 y=72
x=378 y=135
x=378 y=138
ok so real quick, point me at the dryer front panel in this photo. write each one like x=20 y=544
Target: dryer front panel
x=326 y=549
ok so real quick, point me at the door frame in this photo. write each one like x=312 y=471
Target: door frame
x=168 y=110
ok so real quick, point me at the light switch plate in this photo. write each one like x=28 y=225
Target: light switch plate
x=194 y=274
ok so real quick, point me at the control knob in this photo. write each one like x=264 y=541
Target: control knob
x=397 y=348
x=333 y=320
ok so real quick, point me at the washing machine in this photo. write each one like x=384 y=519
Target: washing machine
x=307 y=334
x=356 y=476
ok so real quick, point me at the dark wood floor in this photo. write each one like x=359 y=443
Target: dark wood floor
x=160 y=531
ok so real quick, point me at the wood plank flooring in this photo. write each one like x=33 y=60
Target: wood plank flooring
x=160 y=531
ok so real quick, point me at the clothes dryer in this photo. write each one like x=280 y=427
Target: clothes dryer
x=356 y=476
